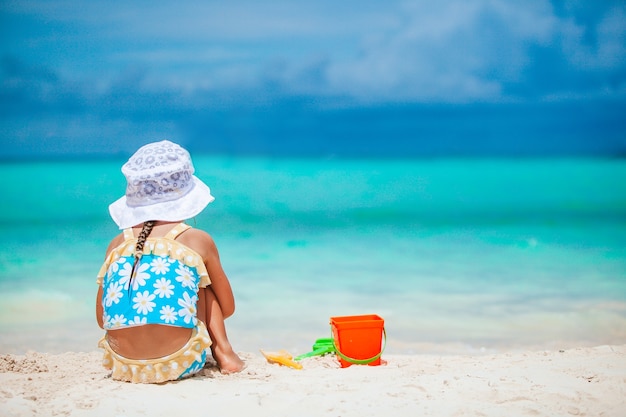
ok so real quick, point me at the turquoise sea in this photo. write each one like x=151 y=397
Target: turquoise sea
x=457 y=255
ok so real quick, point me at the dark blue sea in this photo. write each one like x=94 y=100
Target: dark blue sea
x=457 y=255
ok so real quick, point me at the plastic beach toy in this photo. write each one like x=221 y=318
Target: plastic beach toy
x=282 y=357
x=358 y=339
x=320 y=347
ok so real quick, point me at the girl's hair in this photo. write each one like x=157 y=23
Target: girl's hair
x=141 y=241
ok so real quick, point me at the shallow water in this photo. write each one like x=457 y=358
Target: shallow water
x=456 y=255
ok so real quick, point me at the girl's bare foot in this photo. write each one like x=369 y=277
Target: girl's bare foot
x=227 y=360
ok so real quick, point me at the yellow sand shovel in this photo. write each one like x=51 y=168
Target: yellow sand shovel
x=282 y=357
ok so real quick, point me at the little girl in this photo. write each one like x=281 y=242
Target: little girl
x=163 y=295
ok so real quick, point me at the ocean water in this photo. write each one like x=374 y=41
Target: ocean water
x=457 y=255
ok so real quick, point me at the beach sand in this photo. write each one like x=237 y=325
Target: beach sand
x=572 y=382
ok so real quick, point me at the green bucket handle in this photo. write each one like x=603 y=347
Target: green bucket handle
x=362 y=361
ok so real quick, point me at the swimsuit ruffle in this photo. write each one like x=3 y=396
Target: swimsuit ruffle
x=160 y=246
x=167 y=368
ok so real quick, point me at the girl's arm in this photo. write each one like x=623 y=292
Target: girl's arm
x=99 y=307
x=219 y=281
x=115 y=242
x=203 y=243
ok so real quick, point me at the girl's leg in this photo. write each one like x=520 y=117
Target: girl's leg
x=223 y=353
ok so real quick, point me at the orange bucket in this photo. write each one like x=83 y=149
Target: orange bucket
x=358 y=339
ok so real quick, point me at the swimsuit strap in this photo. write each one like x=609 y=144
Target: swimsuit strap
x=177 y=230
x=172 y=234
x=128 y=233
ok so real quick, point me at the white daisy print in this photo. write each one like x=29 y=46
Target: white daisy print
x=160 y=266
x=114 y=293
x=168 y=314
x=117 y=321
x=138 y=320
x=143 y=302
x=115 y=266
x=124 y=274
x=164 y=288
x=139 y=280
x=185 y=276
x=188 y=310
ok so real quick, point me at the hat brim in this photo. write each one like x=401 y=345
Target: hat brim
x=186 y=207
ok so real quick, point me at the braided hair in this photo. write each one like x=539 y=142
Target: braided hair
x=141 y=241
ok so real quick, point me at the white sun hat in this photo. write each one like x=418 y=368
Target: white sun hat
x=160 y=185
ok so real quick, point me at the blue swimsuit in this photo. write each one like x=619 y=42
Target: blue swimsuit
x=163 y=291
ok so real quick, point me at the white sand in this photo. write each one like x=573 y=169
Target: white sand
x=576 y=382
